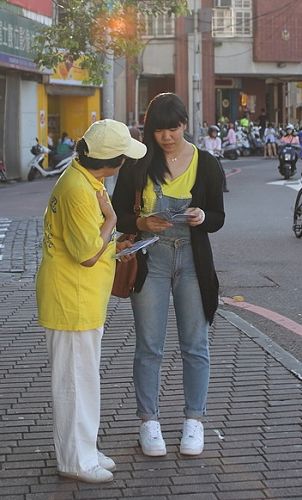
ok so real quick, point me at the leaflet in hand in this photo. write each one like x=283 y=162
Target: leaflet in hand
x=174 y=217
x=138 y=245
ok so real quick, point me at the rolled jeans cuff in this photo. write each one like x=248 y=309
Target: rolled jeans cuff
x=194 y=414
x=145 y=416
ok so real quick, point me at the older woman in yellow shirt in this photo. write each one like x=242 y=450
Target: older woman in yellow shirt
x=73 y=288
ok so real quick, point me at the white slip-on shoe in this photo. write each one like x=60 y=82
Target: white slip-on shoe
x=192 y=440
x=151 y=439
x=106 y=462
x=96 y=474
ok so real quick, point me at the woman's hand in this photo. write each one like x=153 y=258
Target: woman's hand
x=197 y=216
x=121 y=245
x=105 y=206
x=152 y=224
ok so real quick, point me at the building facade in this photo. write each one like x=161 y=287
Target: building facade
x=35 y=103
x=245 y=54
x=20 y=80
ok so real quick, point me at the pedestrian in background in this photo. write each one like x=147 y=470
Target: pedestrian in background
x=212 y=144
x=135 y=131
x=65 y=145
x=245 y=120
x=173 y=176
x=262 y=120
x=290 y=136
x=270 y=139
x=203 y=134
x=231 y=135
x=74 y=283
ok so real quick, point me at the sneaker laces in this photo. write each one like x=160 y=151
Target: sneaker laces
x=190 y=428
x=93 y=469
x=154 y=429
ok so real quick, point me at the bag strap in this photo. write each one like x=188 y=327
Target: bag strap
x=137 y=204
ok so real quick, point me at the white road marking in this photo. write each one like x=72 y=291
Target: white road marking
x=296 y=185
x=4 y=226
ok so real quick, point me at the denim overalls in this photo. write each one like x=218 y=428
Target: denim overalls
x=170 y=269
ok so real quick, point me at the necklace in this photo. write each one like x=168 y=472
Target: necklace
x=172 y=160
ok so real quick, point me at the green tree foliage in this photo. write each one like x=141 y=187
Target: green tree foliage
x=90 y=29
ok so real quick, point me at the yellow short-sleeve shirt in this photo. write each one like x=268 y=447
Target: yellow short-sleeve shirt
x=71 y=296
x=180 y=187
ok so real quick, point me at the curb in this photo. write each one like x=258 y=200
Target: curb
x=286 y=359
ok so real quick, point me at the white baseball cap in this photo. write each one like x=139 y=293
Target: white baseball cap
x=109 y=138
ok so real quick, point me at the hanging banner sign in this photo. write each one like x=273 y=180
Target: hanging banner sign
x=16 y=39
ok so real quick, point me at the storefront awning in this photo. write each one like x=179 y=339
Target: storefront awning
x=80 y=90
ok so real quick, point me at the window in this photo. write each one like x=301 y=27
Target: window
x=61 y=14
x=223 y=3
x=223 y=23
x=232 y=18
x=243 y=4
x=157 y=26
x=243 y=21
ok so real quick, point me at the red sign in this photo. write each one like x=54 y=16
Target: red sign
x=39 y=6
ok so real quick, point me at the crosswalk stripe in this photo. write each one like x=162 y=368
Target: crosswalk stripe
x=296 y=185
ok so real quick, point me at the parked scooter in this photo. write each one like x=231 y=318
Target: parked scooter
x=288 y=157
x=230 y=151
x=36 y=164
x=243 y=142
x=256 y=143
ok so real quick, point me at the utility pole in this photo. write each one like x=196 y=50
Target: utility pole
x=196 y=81
x=108 y=94
x=108 y=106
x=108 y=87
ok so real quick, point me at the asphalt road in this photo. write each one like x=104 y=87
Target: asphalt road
x=256 y=253
x=25 y=199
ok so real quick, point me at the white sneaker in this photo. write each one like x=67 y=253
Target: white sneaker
x=106 y=462
x=151 y=439
x=192 y=440
x=96 y=474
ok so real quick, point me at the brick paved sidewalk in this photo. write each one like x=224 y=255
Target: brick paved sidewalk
x=253 y=429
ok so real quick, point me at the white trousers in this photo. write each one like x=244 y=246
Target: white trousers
x=75 y=377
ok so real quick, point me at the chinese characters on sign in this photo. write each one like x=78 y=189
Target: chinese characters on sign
x=16 y=39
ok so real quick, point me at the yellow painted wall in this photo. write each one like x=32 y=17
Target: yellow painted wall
x=42 y=119
x=77 y=113
x=94 y=107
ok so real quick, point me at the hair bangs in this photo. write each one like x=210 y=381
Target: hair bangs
x=166 y=120
x=166 y=111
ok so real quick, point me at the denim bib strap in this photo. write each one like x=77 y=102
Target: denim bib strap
x=158 y=190
x=164 y=202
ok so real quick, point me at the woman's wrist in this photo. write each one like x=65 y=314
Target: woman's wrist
x=140 y=223
x=107 y=228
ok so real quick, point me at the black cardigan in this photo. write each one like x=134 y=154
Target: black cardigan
x=206 y=194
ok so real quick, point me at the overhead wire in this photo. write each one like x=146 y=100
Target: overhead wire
x=253 y=18
x=279 y=13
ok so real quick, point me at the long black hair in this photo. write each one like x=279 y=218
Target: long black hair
x=165 y=111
